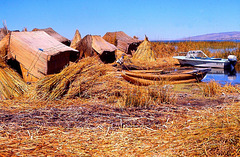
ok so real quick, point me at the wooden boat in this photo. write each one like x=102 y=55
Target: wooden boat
x=173 y=78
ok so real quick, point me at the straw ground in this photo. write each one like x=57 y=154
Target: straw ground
x=93 y=128
x=88 y=110
x=178 y=121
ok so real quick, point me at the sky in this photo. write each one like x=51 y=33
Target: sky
x=157 y=19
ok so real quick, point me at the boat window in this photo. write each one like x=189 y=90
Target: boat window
x=196 y=54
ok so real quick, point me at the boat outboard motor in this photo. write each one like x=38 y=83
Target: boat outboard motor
x=233 y=60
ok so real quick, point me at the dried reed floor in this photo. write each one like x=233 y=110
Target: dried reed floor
x=92 y=128
x=95 y=114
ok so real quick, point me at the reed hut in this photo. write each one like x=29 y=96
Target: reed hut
x=122 y=41
x=37 y=53
x=145 y=52
x=76 y=39
x=54 y=34
x=92 y=45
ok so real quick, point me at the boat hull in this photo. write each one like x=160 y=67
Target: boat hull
x=145 y=82
x=162 y=77
x=211 y=63
x=152 y=79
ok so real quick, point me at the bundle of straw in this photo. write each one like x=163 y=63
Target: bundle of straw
x=11 y=84
x=145 y=52
x=86 y=78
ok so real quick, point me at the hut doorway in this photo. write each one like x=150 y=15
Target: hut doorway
x=133 y=48
x=14 y=64
x=108 y=57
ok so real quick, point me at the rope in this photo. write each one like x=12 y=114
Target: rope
x=33 y=63
x=31 y=67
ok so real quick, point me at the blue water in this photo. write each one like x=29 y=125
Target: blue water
x=219 y=75
x=223 y=76
x=222 y=50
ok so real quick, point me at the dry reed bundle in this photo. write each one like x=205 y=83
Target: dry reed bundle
x=96 y=83
x=86 y=78
x=159 y=64
x=145 y=97
x=11 y=84
x=214 y=88
x=144 y=52
x=210 y=89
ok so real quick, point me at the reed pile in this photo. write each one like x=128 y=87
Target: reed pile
x=11 y=84
x=145 y=52
x=89 y=77
x=159 y=64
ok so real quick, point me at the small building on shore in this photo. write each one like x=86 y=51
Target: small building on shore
x=77 y=37
x=36 y=53
x=122 y=41
x=92 y=45
x=55 y=35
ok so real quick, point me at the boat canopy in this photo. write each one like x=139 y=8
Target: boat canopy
x=196 y=54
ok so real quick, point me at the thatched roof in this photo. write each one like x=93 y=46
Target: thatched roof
x=54 y=34
x=4 y=46
x=95 y=45
x=145 y=52
x=76 y=39
x=123 y=42
x=38 y=52
x=3 y=33
x=100 y=45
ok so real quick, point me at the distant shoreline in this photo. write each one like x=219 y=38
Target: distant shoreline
x=176 y=41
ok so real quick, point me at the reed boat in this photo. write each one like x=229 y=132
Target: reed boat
x=147 y=71
x=199 y=59
x=145 y=82
x=146 y=79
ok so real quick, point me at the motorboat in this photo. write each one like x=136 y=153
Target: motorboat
x=199 y=59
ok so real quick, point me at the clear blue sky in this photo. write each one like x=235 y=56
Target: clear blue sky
x=158 y=19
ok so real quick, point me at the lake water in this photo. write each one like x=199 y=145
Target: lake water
x=224 y=76
x=222 y=50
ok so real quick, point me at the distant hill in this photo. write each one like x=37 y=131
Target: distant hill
x=216 y=36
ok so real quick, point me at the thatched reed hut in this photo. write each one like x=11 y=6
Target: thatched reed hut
x=37 y=53
x=76 y=39
x=54 y=34
x=145 y=52
x=92 y=45
x=123 y=42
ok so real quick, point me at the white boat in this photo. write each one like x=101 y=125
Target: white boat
x=200 y=59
